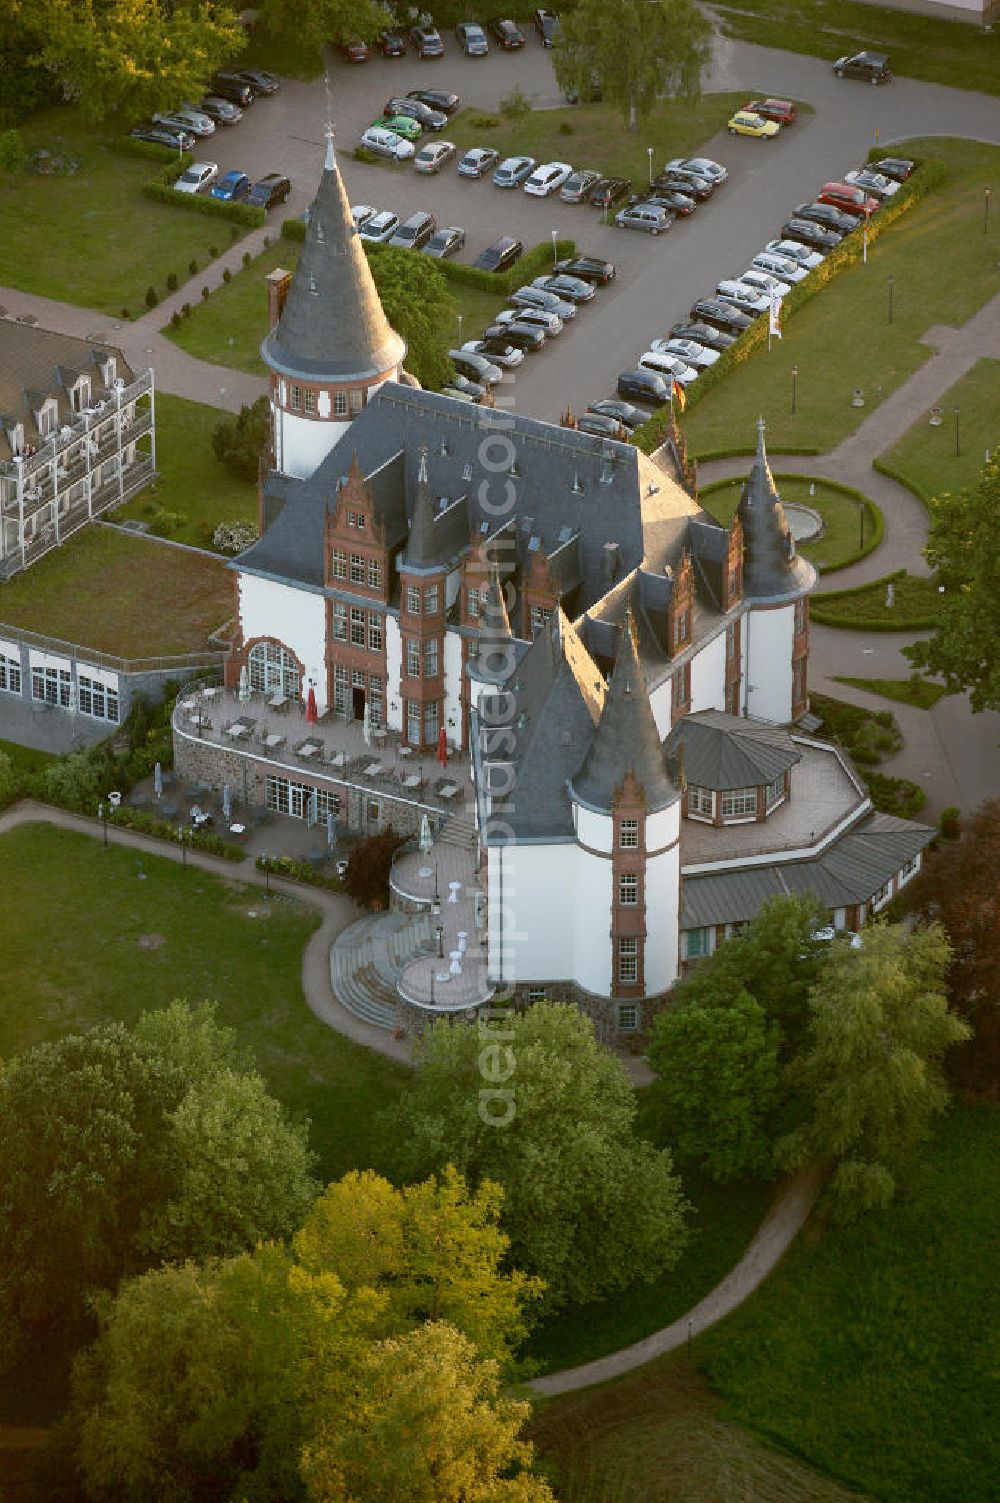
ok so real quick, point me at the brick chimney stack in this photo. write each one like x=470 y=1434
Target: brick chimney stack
x=278 y=283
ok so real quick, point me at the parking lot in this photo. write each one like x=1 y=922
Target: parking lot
x=658 y=278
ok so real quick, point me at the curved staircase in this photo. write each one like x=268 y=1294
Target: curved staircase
x=367 y=957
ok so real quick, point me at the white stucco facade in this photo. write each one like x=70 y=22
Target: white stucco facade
x=301 y=443
x=767 y=662
x=294 y=617
x=708 y=676
x=393 y=673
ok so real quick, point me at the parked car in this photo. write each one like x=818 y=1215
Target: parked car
x=811 y=234
x=392 y=42
x=222 y=111
x=403 y=125
x=498 y=351
x=547 y=178
x=387 y=143
x=537 y=297
x=849 y=198
x=534 y=318
x=703 y=167
x=747 y=299
x=362 y=213
x=590 y=268
x=608 y=191
x=445 y=242
x=414 y=232
x=546 y=24
x=593 y=94
x=667 y=366
x=763 y=282
x=354 y=50
x=506 y=34
x=898 y=168
x=260 y=80
x=721 y=315
x=829 y=218
x=676 y=203
x=705 y=334
x=743 y=123
x=441 y=100
x=875 y=183
x=873 y=67
x=474 y=390
x=232 y=187
x=698 y=188
x=500 y=255
x=601 y=425
x=475 y=367
x=622 y=412
x=198 y=176
x=782 y=267
x=272 y=189
x=644 y=386
x=193 y=121
x=577 y=187
x=513 y=171
x=472 y=39
x=700 y=356
x=414 y=109
x=478 y=160
x=571 y=289
x=527 y=337
x=426 y=41
x=380 y=227
x=162 y=135
x=433 y=156
x=653 y=218
x=230 y=86
x=782 y=111
x=795 y=251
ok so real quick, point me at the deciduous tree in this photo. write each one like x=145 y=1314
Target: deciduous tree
x=239 y=442
x=418 y=305
x=325 y=21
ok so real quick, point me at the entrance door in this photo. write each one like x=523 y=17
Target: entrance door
x=358 y=703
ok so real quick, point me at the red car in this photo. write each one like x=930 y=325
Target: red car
x=355 y=50
x=781 y=110
x=849 y=198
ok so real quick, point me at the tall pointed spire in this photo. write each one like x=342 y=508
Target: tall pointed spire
x=771 y=567
x=333 y=326
x=420 y=545
x=626 y=739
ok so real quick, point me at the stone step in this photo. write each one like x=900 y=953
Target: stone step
x=459 y=830
x=368 y=956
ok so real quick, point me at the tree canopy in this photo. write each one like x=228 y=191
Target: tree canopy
x=418 y=305
x=639 y=51
x=588 y=1206
x=965 y=648
x=324 y=21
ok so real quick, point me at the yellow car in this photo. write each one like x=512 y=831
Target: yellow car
x=744 y=123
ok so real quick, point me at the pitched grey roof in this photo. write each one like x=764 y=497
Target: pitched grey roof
x=728 y=751
x=850 y=871
x=626 y=740
x=36 y=364
x=332 y=326
x=772 y=570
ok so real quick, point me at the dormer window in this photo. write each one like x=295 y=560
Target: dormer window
x=16 y=437
x=80 y=394
x=47 y=417
x=109 y=371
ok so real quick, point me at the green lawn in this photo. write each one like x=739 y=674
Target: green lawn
x=944 y=270
x=93 y=239
x=925 y=457
x=121 y=594
x=837 y=505
x=916 y=603
x=872 y=1350
x=905 y=691
x=191 y=481
x=943 y=51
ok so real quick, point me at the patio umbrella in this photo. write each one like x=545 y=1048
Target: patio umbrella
x=158 y=780
x=425 y=833
x=227 y=802
x=442 y=751
x=366 y=725
x=331 y=830
x=311 y=714
x=244 y=689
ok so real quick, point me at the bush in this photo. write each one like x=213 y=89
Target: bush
x=485 y=122
x=186 y=310
x=126 y=314
x=234 y=233
x=233 y=537
x=532 y=264
x=193 y=266
x=895 y=795
x=516 y=104
x=293 y=229
x=239 y=442
x=247 y=259
x=171 y=281
x=362 y=154
x=267 y=241
x=368 y=869
x=246 y=215
x=175 y=320
x=213 y=250
x=151 y=298
x=297 y=871
x=950 y=822
x=227 y=275
x=565 y=129
x=205 y=294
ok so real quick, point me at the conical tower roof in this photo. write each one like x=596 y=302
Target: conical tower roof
x=626 y=739
x=332 y=326
x=419 y=552
x=771 y=567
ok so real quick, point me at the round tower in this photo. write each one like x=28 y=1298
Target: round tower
x=330 y=346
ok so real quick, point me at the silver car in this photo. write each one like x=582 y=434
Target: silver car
x=190 y=120
x=380 y=227
x=535 y=318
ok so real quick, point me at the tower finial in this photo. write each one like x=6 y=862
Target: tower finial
x=422 y=468
x=331 y=159
x=761 y=425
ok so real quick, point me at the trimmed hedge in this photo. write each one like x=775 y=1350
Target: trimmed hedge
x=129 y=146
x=874 y=520
x=197 y=840
x=892 y=473
x=866 y=623
x=297 y=871
x=848 y=253
x=248 y=215
x=739 y=450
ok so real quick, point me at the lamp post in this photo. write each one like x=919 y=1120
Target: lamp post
x=795 y=377
x=891 y=281
x=102 y=814
x=649 y=153
x=555 y=249
x=436 y=902
x=267 y=875
x=861 y=521
x=184 y=849
x=460 y=328
x=958 y=446
x=986 y=213
x=440 y=941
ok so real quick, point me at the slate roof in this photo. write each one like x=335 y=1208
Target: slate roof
x=850 y=871
x=772 y=570
x=729 y=751
x=332 y=325
x=36 y=364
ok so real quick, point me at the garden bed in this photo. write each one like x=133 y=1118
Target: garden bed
x=838 y=505
x=916 y=603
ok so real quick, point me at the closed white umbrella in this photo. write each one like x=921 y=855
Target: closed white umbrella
x=366 y=726
x=244 y=689
x=227 y=803
x=425 y=834
x=331 y=830
x=158 y=780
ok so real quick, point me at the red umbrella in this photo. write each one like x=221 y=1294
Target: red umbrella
x=442 y=751
x=311 y=715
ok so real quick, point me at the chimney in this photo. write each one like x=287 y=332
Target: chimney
x=609 y=562
x=278 y=282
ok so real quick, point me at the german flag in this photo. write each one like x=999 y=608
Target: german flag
x=677 y=395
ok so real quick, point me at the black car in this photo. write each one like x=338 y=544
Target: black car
x=698 y=188
x=721 y=315
x=472 y=39
x=474 y=389
x=222 y=111
x=445 y=242
x=426 y=41
x=259 y=80
x=608 y=191
x=164 y=135
x=392 y=43
x=501 y=254
x=475 y=367
x=546 y=24
x=675 y=202
x=413 y=110
x=601 y=425
x=590 y=268
x=898 y=168
x=620 y=412
x=705 y=334
x=231 y=86
x=576 y=188
x=526 y=337
x=808 y=232
x=272 y=189
x=873 y=67
x=506 y=34
x=829 y=217
x=644 y=386
x=436 y=99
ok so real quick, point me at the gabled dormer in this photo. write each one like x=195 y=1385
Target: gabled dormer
x=354 y=539
x=46 y=417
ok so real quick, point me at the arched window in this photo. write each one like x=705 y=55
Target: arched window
x=272 y=668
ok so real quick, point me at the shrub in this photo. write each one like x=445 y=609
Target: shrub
x=950 y=822
x=247 y=215
x=227 y=275
x=193 y=266
x=175 y=320
x=205 y=294
x=895 y=795
x=485 y=122
x=213 y=251
x=533 y=264
x=186 y=309
x=297 y=871
x=234 y=233
x=247 y=258
x=368 y=869
x=171 y=281
x=516 y=104
x=362 y=154
x=233 y=537
x=293 y=229
x=565 y=129
x=151 y=298
x=267 y=241
x=238 y=442
x=126 y=314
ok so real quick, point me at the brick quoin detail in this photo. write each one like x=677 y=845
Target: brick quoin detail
x=628 y=922
x=800 y=661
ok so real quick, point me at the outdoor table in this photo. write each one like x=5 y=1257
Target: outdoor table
x=372 y=769
x=406 y=751
x=379 y=734
x=337 y=760
x=309 y=750
x=238 y=832
x=198 y=719
x=237 y=729
x=278 y=701
x=210 y=693
x=456 y=963
x=412 y=781
x=448 y=791
x=454 y=888
x=273 y=740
